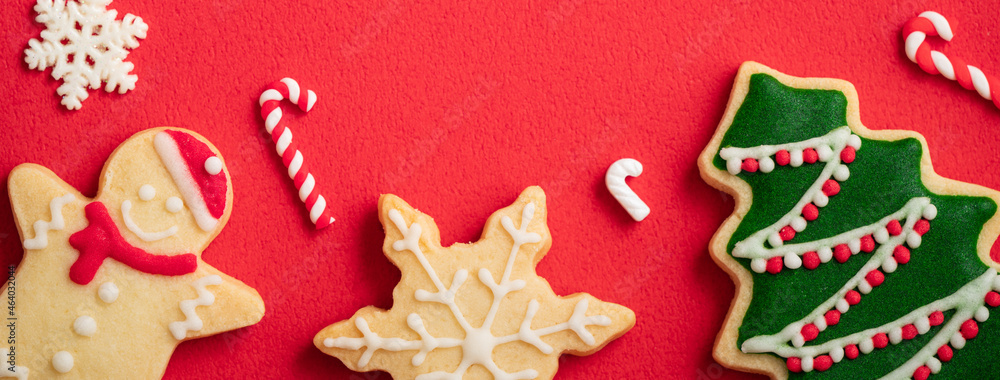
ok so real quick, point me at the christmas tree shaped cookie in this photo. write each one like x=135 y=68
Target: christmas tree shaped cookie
x=852 y=258
x=472 y=310
x=109 y=286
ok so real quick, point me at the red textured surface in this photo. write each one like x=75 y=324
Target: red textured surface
x=457 y=107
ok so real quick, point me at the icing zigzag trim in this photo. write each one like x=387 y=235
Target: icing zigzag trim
x=205 y=298
x=42 y=228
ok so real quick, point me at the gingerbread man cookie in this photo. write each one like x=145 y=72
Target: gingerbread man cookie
x=474 y=310
x=109 y=286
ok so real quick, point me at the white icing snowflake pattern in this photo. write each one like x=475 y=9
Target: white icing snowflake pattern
x=85 y=45
x=479 y=342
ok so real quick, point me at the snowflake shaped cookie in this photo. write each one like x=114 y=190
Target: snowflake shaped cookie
x=85 y=45
x=507 y=323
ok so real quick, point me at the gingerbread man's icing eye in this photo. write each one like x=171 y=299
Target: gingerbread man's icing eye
x=213 y=165
x=174 y=204
x=147 y=192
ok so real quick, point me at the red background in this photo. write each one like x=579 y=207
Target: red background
x=458 y=107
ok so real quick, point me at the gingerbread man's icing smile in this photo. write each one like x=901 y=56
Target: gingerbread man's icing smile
x=110 y=285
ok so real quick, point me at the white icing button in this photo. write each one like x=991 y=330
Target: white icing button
x=798 y=341
x=108 y=292
x=795 y=158
x=842 y=173
x=934 y=364
x=734 y=166
x=866 y=346
x=62 y=361
x=930 y=212
x=792 y=261
x=807 y=364
x=798 y=224
x=896 y=335
x=147 y=192
x=825 y=254
x=820 y=199
x=758 y=265
x=854 y=245
x=775 y=240
x=85 y=326
x=174 y=204
x=982 y=314
x=923 y=325
x=913 y=240
x=824 y=152
x=843 y=306
x=889 y=265
x=837 y=354
x=213 y=165
x=881 y=235
x=864 y=287
x=820 y=323
x=957 y=341
x=854 y=142
x=766 y=165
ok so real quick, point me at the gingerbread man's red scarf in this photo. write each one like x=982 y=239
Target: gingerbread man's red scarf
x=101 y=240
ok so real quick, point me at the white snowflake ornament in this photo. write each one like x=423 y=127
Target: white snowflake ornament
x=85 y=45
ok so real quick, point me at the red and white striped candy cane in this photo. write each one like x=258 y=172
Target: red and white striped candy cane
x=270 y=103
x=934 y=62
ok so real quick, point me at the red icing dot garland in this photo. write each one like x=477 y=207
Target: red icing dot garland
x=810 y=212
x=968 y=330
x=899 y=233
x=832 y=317
x=810 y=156
x=936 y=318
x=909 y=331
x=811 y=260
x=765 y=163
x=848 y=154
x=945 y=353
x=822 y=363
x=783 y=157
x=851 y=351
x=993 y=299
x=872 y=279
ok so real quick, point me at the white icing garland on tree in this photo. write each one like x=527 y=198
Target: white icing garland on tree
x=768 y=243
x=479 y=342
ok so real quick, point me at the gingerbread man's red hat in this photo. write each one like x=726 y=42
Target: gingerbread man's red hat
x=197 y=172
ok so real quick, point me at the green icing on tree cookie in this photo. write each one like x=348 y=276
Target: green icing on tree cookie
x=884 y=178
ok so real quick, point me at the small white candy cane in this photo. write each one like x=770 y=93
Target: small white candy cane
x=615 y=179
